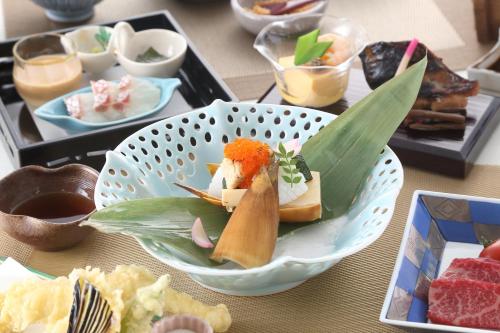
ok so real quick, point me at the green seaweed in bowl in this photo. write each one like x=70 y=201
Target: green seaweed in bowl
x=150 y=55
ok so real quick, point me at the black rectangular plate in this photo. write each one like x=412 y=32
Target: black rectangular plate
x=445 y=153
x=25 y=144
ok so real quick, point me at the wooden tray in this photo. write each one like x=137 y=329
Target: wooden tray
x=450 y=153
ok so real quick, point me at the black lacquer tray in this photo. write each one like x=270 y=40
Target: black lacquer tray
x=450 y=153
x=27 y=142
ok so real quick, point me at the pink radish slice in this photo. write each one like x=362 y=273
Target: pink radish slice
x=199 y=236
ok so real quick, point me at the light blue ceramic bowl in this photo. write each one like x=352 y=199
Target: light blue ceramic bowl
x=55 y=111
x=177 y=149
x=68 y=10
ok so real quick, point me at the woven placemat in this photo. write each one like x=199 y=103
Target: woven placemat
x=347 y=298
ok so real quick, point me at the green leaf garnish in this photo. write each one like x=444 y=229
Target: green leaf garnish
x=102 y=37
x=151 y=55
x=287 y=164
x=308 y=48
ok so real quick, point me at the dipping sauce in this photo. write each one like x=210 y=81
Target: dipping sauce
x=57 y=207
x=44 y=68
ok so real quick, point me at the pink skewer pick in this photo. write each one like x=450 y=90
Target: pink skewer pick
x=407 y=56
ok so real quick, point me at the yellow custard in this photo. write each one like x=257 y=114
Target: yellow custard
x=311 y=87
x=314 y=86
x=46 y=77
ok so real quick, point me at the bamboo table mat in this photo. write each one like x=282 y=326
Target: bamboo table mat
x=346 y=298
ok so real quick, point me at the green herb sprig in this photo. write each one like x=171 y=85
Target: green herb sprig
x=102 y=37
x=308 y=48
x=287 y=163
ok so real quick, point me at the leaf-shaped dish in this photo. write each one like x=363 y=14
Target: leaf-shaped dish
x=55 y=111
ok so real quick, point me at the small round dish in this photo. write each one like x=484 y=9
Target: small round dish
x=254 y=23
x=182 y=323
x=93 y=47
x=55 y=111
x=311 y=86
x=31 y=181
x=130 y=44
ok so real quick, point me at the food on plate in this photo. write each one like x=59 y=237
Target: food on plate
x=467 y=294
x=281 y=7
x=467 y=303
x=299 y=189
x=310 y=76
x=110 y=101
x=342 y=154
x=427 y=120
x=442 y=90
x=481 y=269
x=150 y=55
x=491 y=250
x=125 y=300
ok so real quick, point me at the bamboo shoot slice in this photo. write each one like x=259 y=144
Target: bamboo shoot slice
x=250 y=235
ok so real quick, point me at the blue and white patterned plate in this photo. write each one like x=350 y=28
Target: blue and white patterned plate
x=177 y=149
x=440 y=227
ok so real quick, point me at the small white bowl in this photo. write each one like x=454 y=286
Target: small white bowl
x=129 y=44
x=84 y=40
x=254 y=23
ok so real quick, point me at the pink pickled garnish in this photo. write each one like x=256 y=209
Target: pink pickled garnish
x=121 y=100
x=101 y=102
x=125 y=82
x=293 y=145
x=99 y=87
x=74 y=106
x=199 y=236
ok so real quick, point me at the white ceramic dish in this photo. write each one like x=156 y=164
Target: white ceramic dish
x=84 y=40
x=149 y=161
x=489 y=80
x=254 y=23
x=129 y=44
x=440 y=227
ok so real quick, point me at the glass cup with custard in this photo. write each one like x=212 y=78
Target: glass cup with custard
x=321 y=80
x=45 y=68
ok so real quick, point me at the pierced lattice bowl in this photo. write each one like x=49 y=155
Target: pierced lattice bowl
x=176 y=149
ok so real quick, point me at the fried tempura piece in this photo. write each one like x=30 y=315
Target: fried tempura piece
x=133 y=293
x=181 y=303
x=37 y=301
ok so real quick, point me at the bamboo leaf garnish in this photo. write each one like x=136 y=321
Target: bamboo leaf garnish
x=345 y=151
x=308 y=48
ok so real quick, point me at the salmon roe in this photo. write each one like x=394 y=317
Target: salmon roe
x=251 y=154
